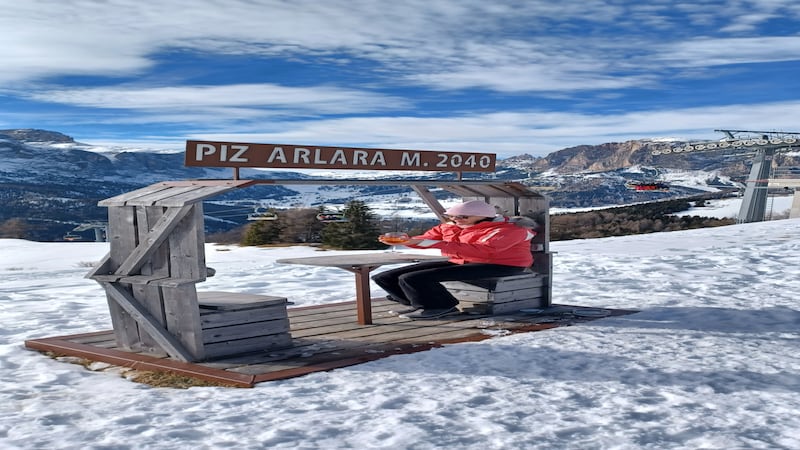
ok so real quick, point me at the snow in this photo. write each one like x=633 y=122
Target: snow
x=710 y=361
x=777 y=206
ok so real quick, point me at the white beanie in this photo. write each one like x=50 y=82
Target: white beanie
x=472 y=208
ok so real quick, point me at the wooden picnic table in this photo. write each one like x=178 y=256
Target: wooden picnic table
x=361 y=264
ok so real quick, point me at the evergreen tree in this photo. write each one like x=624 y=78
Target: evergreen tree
x=262 y=232
x=360 y=231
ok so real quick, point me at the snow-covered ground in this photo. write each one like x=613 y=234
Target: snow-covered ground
x=777 y=207
x=711 y=360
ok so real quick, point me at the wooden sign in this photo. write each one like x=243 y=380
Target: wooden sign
x=281 y=156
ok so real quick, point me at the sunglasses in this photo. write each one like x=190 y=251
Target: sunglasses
x=460 y=217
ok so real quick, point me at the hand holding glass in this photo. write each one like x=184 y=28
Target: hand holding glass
x=393 y=238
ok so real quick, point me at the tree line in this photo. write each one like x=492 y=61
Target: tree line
x=634 y=219
x=360 y=227
x=300 y=226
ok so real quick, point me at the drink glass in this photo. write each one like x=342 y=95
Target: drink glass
x=394 y=237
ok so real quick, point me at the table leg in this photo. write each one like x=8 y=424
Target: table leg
x=363 y=295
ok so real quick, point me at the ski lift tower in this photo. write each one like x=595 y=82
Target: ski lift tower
x=764 y=144
x=100 y=230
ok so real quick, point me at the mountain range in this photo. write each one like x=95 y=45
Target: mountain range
x=53 y=183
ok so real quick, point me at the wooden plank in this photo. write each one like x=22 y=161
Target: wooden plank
x=173 y=282
x=309 y=313
x=183 y=318
x=418 y=335
x=396 y=329
x=245 y=330
x=492 y=308
x=303 y=352
x=157 y=266
x=338 y=319
x=187 y=247
x=150 y=298
x=231 y=184
x=103 y=267
x=156 y=280
x=171 y=345
x=491 y=190
x=332 y=317
x=151 y=239
x=466 y=192
x=211 y=318
x=318 y=362
x=338 y=313
x=122 y=240
x=499 y=297
x=543 y=264
x=497 y=283
x=429 y=199
x=196 y=195
x=525 y=303
x=300 y=348
x=260 y=343
x=94 y=338
x=221 y=300
x=327 y=329
x=317 y=320
x=122 y=234
x=141 y=362
x=153 y=198
x=149 y=195
x=495 y=297
x=122 y=199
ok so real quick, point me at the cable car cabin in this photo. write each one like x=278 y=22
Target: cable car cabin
x=331 y=217
x=647 y=186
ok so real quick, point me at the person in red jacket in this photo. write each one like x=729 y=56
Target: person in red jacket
x=478 y=243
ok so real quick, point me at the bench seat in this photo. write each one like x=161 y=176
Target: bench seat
x=235 y=323
x=498 y=295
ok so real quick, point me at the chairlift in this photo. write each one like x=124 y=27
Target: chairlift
x=72 y=237
x=266 y=215
x=331 y=217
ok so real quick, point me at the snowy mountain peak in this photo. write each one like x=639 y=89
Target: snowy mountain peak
x=30 y=135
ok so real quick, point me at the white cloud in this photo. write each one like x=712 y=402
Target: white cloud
x=216 y=99
x=537 y=133
x=44 y=38
x=716 y=52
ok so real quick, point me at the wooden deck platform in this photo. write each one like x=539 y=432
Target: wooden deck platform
x=326 y=337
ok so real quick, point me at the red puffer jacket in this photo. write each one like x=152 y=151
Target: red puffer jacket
x=497 y=242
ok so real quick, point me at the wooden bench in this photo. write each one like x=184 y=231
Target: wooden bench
x=234 y=323
x=498 y=295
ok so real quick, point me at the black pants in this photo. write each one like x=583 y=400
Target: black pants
x=419 y=283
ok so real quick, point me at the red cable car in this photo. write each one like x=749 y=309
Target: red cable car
x=647 y=186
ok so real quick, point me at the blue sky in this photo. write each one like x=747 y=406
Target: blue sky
x=505 y=77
